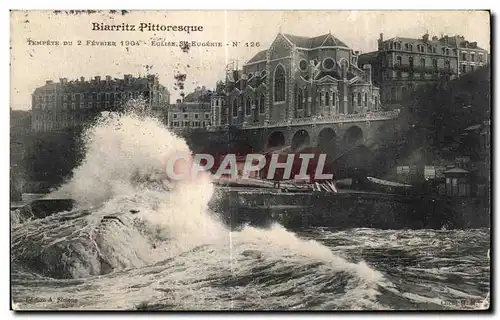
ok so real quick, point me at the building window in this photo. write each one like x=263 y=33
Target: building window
x=196 y=115
x=262 y=104
x=107 y=104
x=411 y=47
x=65 y=97
x=207 y=115
x=480 y=57
x=73 y=106
x=366 y=100
x=279 y=83
x=299 y=100
x=359 y=99
x=422 y=63
x=434 y=64
x=174 y=115
x=447 y=65
x=398 y=61
x=327 y=99
x=393 y=94
x=217 y=102
x=107 y=96
x=81 y=105
x=65 y=105
x=404 y=91
x=248 y=106
x=353 y=102
x=464 y=68
x=333 y=98
x=73 y=97
x=411 y=62
x=89 y=105
x=185 y=115
x=471 y=68
x=235 y=107
x=464 y=56
x=472 y=57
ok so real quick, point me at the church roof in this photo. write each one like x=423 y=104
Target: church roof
x=306 y=42
x=261 y=55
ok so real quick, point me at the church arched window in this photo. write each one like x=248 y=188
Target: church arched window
x=262 y=104
x=235 y=107
x=279 y=83
x=299 y=100
x=248 y=106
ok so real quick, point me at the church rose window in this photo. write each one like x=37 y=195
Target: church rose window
x=303 y=65
x=328 y=63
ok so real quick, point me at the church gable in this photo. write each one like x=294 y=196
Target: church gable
x=327 y=79
x=280 y=48
x=235 y=92
x=329 y=42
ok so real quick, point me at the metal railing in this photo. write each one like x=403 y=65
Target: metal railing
x=340 y=118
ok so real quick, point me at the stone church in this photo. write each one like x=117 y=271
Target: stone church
x=297 y=77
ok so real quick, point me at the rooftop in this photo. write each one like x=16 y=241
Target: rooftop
x=304 y=42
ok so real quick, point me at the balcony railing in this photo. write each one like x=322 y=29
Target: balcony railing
x=421 y=69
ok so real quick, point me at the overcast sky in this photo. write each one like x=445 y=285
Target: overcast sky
x=31 y=66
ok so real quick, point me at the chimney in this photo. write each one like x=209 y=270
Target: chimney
x=425 y=37
x=97 y=79
x=380 y=41
x=108 y=78
x=82 y=79
x=243 y=81
x=178 y=101
x=49 y=82
x=63 y=81
x=127 y=78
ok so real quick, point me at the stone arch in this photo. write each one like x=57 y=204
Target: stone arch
x=353 y=136
x=276 y=139
x=327 y=140
x=300 y=140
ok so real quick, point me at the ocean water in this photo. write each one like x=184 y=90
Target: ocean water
x=138 y=240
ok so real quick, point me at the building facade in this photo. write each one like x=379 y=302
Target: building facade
x=189 y=115
x=297 y=77
x=400 y=65
x=66 y=104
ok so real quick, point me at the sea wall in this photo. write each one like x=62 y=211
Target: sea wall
x=351 y=210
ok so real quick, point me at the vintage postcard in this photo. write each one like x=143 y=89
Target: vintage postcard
x=250 y=160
